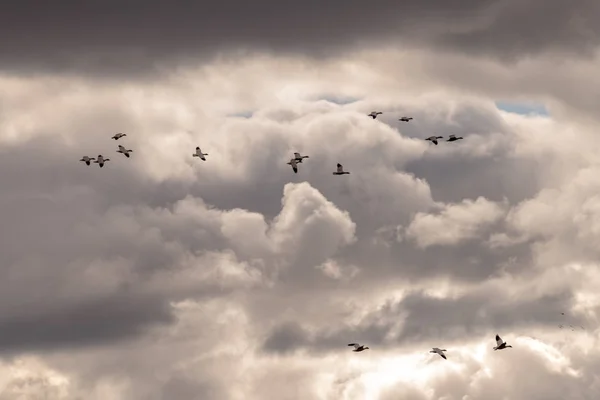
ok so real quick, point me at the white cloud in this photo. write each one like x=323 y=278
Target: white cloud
x=454 y=223
x=176 y=269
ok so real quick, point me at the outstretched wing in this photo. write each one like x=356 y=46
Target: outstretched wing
x=452 y=136
x=121 y=148
x=442 y=355
x=499 y=340
x=297 y=155
x=356 y=345
x=340 y=168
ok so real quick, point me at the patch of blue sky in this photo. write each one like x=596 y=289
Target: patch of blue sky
x=523 y=108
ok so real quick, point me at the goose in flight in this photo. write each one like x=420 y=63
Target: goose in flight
x=124 y=151
x=118 y=136
x=453 y=138
x=501 y=344
x=294 y=165
x=101 y=160
x=200 y=154
x=358 y=347
x=439 y=351
x=405 y=119
x=340 y=170
x=434 y=139
x=299 y=157
x=374 y=114
x=87 y=159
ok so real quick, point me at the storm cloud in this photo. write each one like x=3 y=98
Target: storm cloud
x=162 y=276
x=133 y=37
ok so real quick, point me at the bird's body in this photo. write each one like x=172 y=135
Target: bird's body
x=434 y=139
x=374 y=114
x=299 y=157
x=358 y=347
x=87 y=159
x=453 y=138
x=199 y=154
x=439 y=351
x=101 y=160
x=118 y=136
x=405 y=119
x=124 y=151
x=340 y=170
x=294 y=165
x=500 y=344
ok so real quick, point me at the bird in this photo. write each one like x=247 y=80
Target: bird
x=293 y=164
x=118 y=136
x=87 y=159
x=405 y=119
x=299 y=157
x=439 y=351
x=374 y=114
x=124 y=151
x=433 y=139
x=453 y=138
x=101 y=160
x=358 y=347
x=200 y=154
x=340 y=170
x=501 y=344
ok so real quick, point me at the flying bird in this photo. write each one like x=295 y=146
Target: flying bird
x=439 y=351
x=294 y=165
x=340 y=170
x=374 y=114
x=358 y=347
x=501 y=344
x=453 y=138
x=118 y=136
x=200 y=154
x=405 y=119
x=124 y=151
x=433 y=139
x=299 y=157
x=87 y=159
x=101 y=160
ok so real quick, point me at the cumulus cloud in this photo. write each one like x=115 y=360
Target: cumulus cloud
x=165 y=277
x=454 y=223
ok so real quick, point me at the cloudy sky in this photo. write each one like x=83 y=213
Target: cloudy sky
x=165 y=277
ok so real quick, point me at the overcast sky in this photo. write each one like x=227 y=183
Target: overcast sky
x=163 y=277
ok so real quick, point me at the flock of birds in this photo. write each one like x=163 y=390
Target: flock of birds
x=100 y=160
x=297 y=159
x=500 y=345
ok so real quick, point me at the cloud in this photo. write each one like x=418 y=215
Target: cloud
x=454 y=223
x=162 y=276
x=139 y=38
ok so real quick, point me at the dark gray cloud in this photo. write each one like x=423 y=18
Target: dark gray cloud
x=109 y=37
x=424 y=319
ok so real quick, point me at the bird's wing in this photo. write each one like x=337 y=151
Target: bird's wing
x=340 y=168
x=452 y=136
x=121 y=148
x=356 y=345
x=443 y=355
x=499 y=340
x=297 y=155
